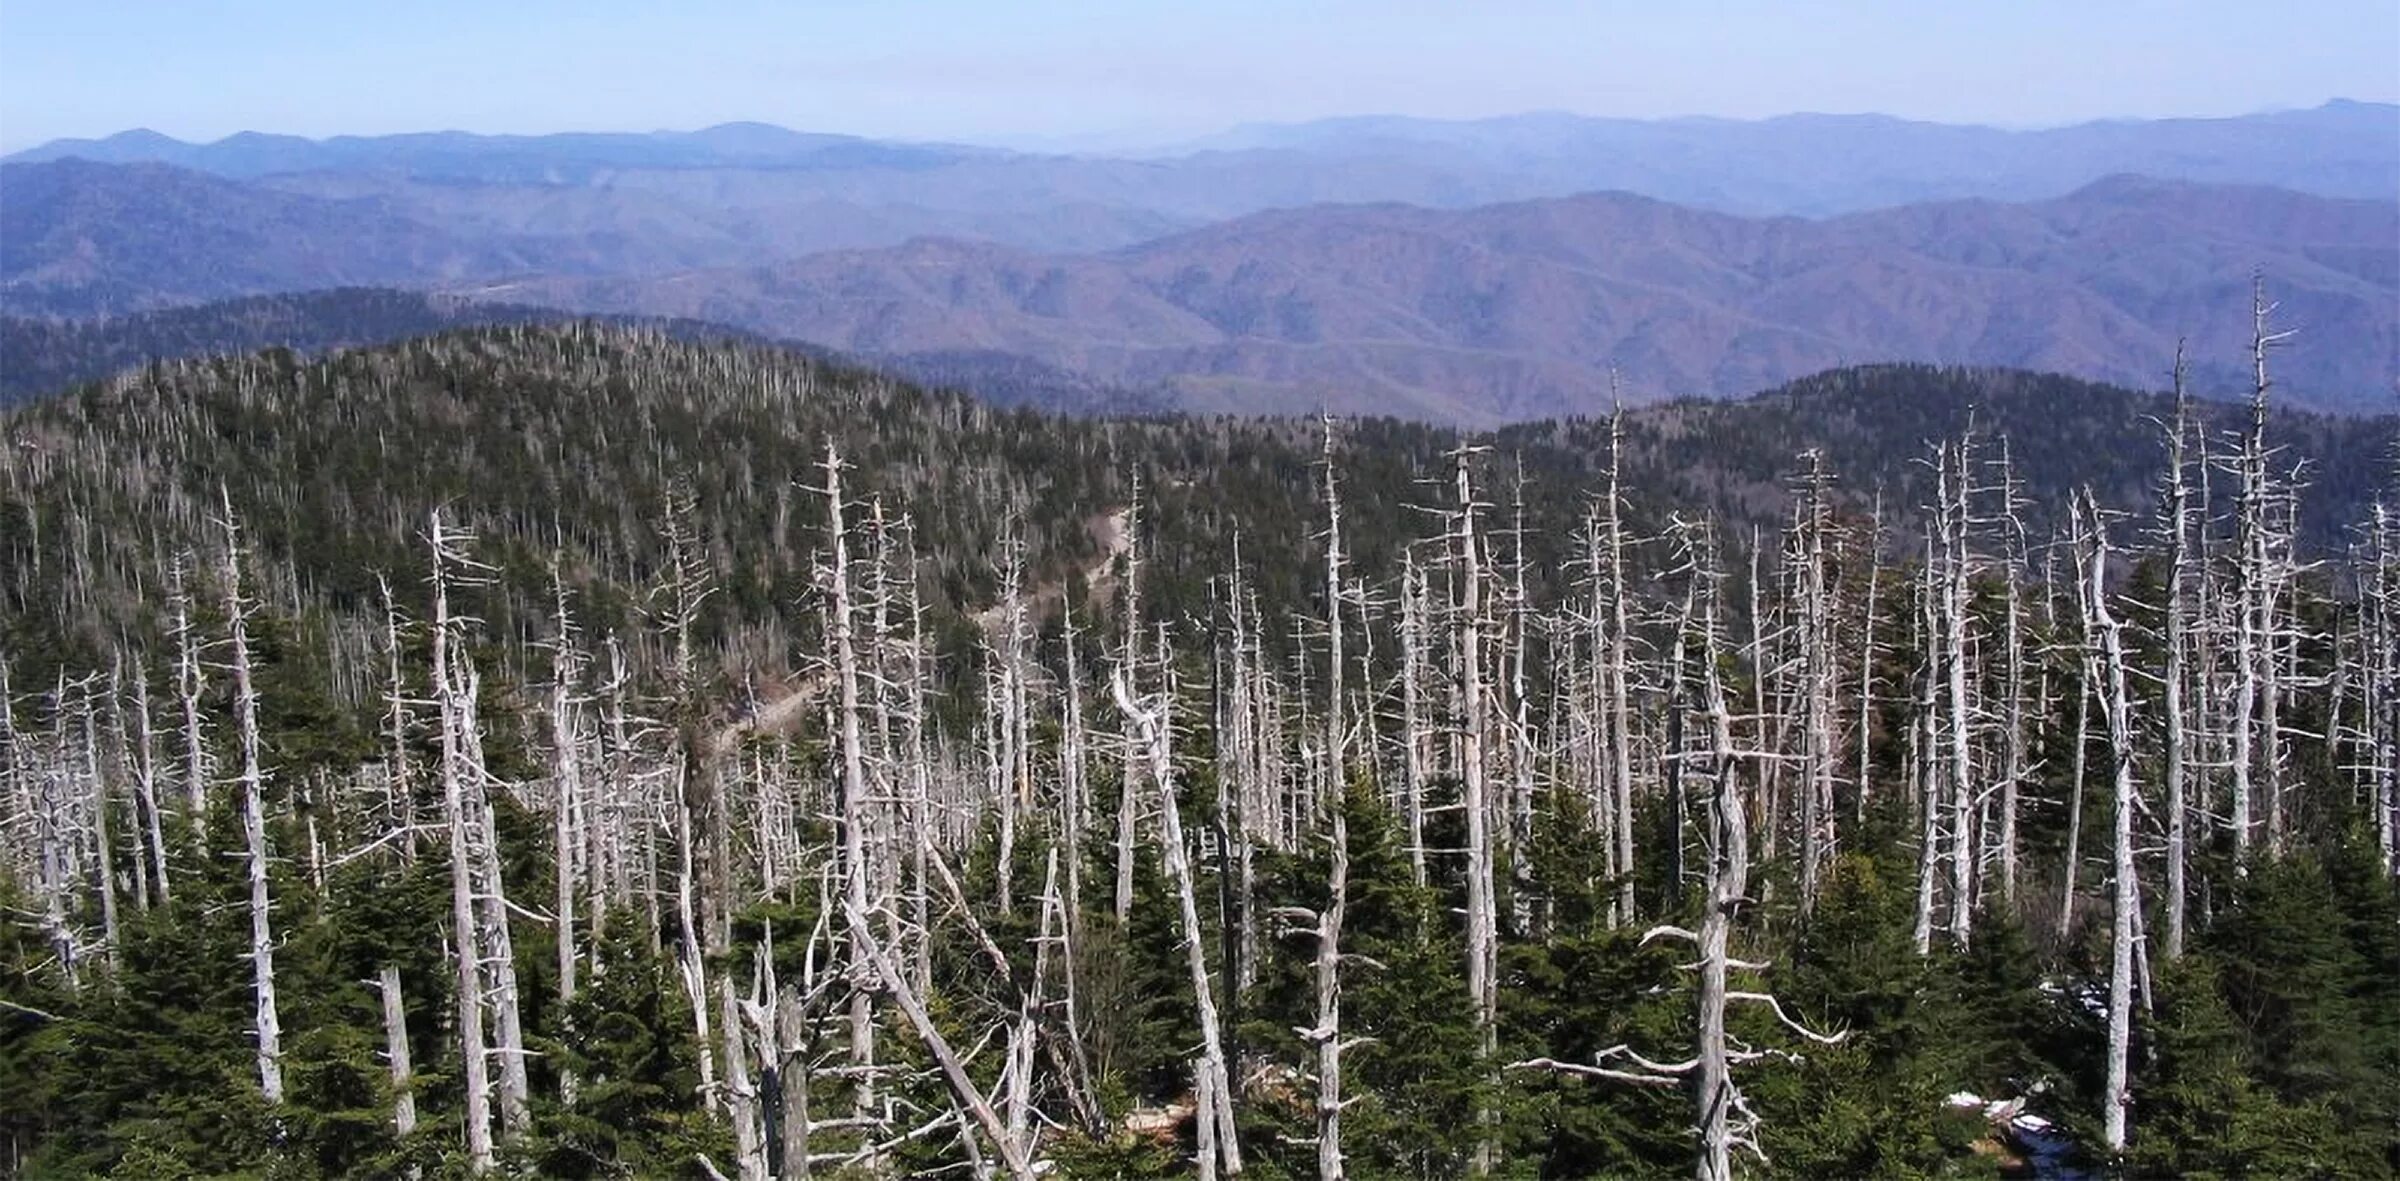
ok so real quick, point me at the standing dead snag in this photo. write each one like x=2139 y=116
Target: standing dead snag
x=1817 y=664
x=145 y=782
x=254 y=814
x=1952 y=523
x=479 y=909
x=2014 y=767
x=1128 y=801
x=2087 y=677
x=1336 y=707
x=1413 y=640
x=2126 y=921
x=1483 y=923
x=2177 y=528
x=399 y=784
x=569 y=809
x=1722 y=1119
x=2259 y=564
x=1617 y=690
x=395 y=1042
x=1327 y=1033
x=1213 y=1080
x=188 y=685
x=1871 y=551
x=1923 y=756
x=458 y=780
x=2377 y=737
x=856 y=874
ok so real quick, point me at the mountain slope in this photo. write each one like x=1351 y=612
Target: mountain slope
x=1520 y=311
x=41 y=357
x=545 y=437
x=78 y=238
x=47 y=356
x=99 y=225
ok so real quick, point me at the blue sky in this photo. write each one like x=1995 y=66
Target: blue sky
x=1031 y=71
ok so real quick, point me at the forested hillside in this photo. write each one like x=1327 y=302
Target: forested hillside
x=579 y=751
x=51 y=356
x=1506 y=312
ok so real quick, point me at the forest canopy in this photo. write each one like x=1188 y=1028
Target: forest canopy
x=585 y=751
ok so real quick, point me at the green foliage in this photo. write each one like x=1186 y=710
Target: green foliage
x=2273 y=1047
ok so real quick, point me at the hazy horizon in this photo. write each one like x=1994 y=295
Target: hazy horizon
x=1135 y=140
x=1065 y=77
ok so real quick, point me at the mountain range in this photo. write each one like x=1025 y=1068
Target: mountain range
x=1525 y=310
x=1808 y=164
x=1473 y=271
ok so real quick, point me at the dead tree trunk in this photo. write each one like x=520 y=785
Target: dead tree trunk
x=1722 y=1119
x=855 y=872
x=395 y=1052
x=2174 y=726
x=1483 y=938
x=188 y=686
x=254 y=817
x=568 y=806
x=1128 y=799
x=1617 y=670
x=459 y=778
x=1413 y=639
x=2102 y=625
x=1214 y=1081
x=1818 y=672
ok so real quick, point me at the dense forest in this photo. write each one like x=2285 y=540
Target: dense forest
x=43 y=356
x=588 y=750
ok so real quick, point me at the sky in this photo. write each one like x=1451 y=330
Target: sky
x=1097 y=74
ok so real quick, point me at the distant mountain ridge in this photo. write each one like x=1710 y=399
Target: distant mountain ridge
x=553 y=159
x=1478 y=271
x=1812 y=164
x=43 y=357
x=1521 y=311
x=85 y=239
x=741 y=194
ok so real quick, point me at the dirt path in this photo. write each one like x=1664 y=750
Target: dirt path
x=782 y=714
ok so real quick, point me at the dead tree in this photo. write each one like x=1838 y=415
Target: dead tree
x=399 y=782
x=856 y=873
x=486 y=956
x=1336 y=704
x=1414 y=638
x=2379 y=705
x=569 y=808
x=253 y=779
x=2107 y=638
x=1924 y=750
x=1952 y=522
x=1615 y=668
x=1722 y=1119
x=2177 y=530
x=2086 y=684
x=1129 y=595
x=1870 y=550
x=1810 y=559
x=395 y=1051
x=968 y=1096
x=188 y=687
x=1212 y=1076
x=2014 y=766
x=2256 y=744
x=1483 y=935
